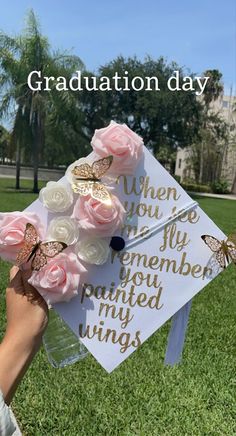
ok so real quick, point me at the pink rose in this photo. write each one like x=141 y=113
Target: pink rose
x=59 y=279
x=122 y=143
x=98 y=218
x=12 y=229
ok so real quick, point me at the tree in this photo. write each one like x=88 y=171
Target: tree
x=65 y=140
x=163 y=118
x=233 y=141
x=206 y=155
x=214 y=87
x=212 y=92
x=4 y=144
x=32 y=110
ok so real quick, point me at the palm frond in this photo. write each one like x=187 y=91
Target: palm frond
x=9 y=43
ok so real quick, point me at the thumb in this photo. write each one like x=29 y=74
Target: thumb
x=32 y=294
x=13 y=272
x=15 y=279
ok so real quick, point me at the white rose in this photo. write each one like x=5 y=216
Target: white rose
x=63 y=229
x=93 y=250
x=56 y=197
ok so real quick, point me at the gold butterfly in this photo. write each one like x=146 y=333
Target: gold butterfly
x=37 y=250
x=88 y=179
x=224 y=250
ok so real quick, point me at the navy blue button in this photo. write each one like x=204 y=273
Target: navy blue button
x=117 y=243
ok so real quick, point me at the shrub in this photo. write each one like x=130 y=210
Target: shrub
x=195 y=187
x=177 y=178
x=220 y=187
x=190 y=181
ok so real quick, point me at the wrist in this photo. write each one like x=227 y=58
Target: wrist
x=16 y=355
x=24 y=344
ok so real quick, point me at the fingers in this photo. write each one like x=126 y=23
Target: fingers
x=19 y=284
x=19 y=278
x=26 y=274
x=15 y=279
x=29 y=289
x=13 y=271
x=32 y=293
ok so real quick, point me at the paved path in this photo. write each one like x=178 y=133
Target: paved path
x=7 y=176
x=222 y=196
x=199 y=194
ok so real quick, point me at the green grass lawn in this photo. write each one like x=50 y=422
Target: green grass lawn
x=141 y=397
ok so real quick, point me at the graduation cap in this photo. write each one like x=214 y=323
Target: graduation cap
x=157 y=263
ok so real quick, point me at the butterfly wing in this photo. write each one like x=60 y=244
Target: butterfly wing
x=231 y=247
x=100 y=192
x=232 y=239
x=39 y=260
x=216 y=246
x=213 y=243
x=220 y=257
x=83 y=171
x=101 y=166
x=31 y=234
x=46 y=249
x=52 y=248
x=82 y=187
x=30 y=240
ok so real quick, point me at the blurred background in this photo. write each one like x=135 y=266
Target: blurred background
x=193 y=137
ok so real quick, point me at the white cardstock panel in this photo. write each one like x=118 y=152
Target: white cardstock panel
x=167 y=288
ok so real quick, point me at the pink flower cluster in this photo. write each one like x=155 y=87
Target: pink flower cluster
x=59 y=279
x=12 y=229
x=126 y=147
x=122 y=143
x=98 y=218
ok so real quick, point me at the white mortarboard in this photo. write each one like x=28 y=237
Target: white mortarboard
x=163 y=265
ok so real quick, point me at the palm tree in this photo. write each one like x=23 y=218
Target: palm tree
x=4 y=144
x=19 y=56
x=212 y=92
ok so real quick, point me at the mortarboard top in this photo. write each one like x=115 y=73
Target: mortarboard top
x=163 y=265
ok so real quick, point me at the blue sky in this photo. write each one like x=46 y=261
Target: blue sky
x=196 y=34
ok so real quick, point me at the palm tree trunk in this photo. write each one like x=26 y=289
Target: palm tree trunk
x=37 y=144
x=18 y=162
x=201 y=163
x=35 y=163
x=36 y=188
x=234 y=185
